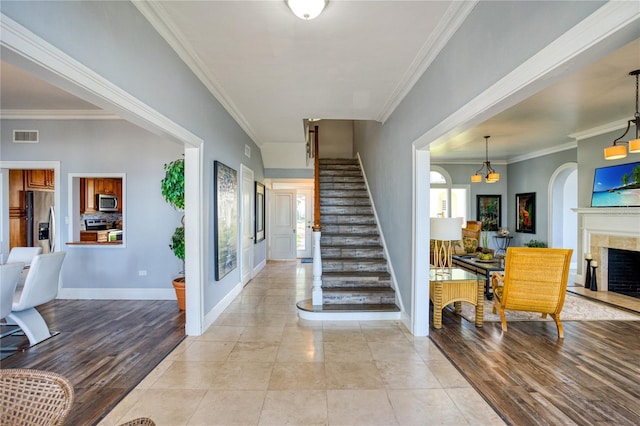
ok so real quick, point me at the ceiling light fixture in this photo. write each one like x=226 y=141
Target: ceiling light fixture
x=307 y=9
x=618 y=149
x=490 y=176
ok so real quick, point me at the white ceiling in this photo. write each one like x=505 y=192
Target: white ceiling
x=271 y=70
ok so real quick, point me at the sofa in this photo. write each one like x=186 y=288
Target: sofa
x=469 y=243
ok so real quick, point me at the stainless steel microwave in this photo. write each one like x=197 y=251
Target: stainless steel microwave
x=107 y=202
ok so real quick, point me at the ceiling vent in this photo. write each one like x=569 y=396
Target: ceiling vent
x=26 y=136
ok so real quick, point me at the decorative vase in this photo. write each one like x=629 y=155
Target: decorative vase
x=594 y=280
x=587 y=280
x=179 y=285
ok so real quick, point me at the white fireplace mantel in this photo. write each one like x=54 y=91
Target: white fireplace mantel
x=627 y=211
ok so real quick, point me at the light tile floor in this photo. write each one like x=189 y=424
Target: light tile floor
x=259 y=364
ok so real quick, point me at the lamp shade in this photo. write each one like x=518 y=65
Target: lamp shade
x=476 y=178
x=615 y=152
x=446 y=228
x=634 y=146
x=307 y=9
x=493 y=177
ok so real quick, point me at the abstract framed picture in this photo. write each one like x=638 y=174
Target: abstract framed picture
x=526 y=212
x=488 y=211
x=259 y=231
x=225 y=219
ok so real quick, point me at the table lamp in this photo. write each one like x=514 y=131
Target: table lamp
x=443 y=231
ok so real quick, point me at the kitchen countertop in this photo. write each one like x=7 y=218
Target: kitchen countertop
x=94 y=243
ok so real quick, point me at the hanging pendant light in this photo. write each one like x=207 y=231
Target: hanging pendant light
x=490 y=175
x=619 y=148
x=307 y=9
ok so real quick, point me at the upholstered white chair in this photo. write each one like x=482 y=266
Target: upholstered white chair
x=25 y=255
x=41 y=286
x=9 y=276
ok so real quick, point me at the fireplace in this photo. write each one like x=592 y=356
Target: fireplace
x=603 y=231
x=624 y=272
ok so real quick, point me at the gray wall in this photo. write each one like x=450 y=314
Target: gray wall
x=495 y=39
x=97 y=146
x=534 y=176
x=117 y=42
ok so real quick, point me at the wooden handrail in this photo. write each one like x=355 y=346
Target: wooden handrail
x=317 y=227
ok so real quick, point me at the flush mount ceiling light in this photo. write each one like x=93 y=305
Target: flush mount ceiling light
x=306 y=9
x=490 y=176
x=618 y=149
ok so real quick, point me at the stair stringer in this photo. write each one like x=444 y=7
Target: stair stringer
x=394 y=283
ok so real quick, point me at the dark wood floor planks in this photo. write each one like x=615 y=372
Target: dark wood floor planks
x=531 y=377
x=105 y=348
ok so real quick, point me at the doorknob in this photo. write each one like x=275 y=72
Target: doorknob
x=294 y=231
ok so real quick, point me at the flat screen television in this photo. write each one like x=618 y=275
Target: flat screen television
x=616 y=186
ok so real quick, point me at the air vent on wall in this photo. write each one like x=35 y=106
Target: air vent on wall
x=26 y=136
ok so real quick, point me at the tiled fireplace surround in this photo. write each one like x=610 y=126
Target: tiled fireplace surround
x=604 y=228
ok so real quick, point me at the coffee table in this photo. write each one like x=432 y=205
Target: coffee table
x=455 y=287
x=480 y=267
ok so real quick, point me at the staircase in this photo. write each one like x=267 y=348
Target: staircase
x=355 y=275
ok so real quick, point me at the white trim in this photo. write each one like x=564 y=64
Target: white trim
x=116 y=293
x=541 y=70
x=552 y=182
x=223 y=304
x=420 y=243
x=20 y=40
x=453 y=18
x=55 y=63
x=394 y=282
x=599 y=130
x=348 y=316
x=259 y=267
x=541 y=153
x=56 y=114
x=157 y=16
x=244 y=170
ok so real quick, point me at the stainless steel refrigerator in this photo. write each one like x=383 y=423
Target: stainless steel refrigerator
x=41 y=220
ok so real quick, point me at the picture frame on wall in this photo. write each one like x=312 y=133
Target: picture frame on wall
x=488 y=211
x=526 y=212
x=260 y=213
x=225 y=219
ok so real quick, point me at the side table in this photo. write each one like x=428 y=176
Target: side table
x=503 y=243
x=457 y=287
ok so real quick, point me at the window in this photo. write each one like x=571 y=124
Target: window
x=446 y=199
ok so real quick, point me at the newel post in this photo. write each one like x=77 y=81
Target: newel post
x=316 y=294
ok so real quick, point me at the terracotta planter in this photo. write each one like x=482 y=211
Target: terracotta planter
x=178 y=285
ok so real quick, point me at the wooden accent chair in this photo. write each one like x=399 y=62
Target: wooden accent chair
x=34 y=397
x=140 y=421
x=535 y=280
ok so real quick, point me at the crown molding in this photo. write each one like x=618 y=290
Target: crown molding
x=541 y=153
x=56 y=114
x=446 y=28
x=158 y=17
x=599 y=130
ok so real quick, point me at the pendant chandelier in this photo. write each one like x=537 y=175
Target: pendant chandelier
x=307 y=9
x=490 y=175
x=618 y=149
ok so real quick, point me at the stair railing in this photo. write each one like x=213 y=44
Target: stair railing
x=316 y=294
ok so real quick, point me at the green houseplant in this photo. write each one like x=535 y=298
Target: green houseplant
x=172 y=188
x=535 y=243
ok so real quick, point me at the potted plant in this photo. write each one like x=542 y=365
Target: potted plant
x=535 y=243
x=172 y=188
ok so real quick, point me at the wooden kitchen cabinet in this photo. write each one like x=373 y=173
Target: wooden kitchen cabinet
x=17 y=213
x=39 y=179
x=90 y=187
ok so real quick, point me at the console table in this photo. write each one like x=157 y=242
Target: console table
x=455 y=287
x=472 y=264
x=502 y=241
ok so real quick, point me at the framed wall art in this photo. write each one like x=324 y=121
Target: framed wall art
x=488 y=211
x=225 y=219
x=526 y=212
x=259 y=231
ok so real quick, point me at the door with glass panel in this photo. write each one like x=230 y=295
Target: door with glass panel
x=304 y=222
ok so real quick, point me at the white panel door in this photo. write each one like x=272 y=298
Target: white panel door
x=304 y=222
x=283 y=225
x=247 y=192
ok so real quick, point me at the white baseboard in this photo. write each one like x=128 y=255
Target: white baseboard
x=217 y=310
x=259 y=267
x=117 y=293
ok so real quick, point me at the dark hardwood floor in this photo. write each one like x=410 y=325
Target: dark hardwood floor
x=530 y=377
x=105 y=348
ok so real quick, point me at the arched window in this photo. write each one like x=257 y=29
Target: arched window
x=446 y=199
